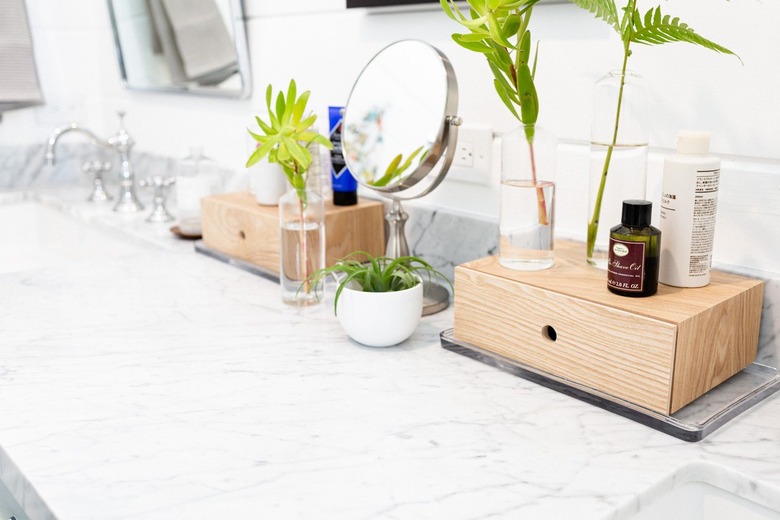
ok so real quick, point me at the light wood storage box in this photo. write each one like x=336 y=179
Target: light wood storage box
x=660 y=352
x=235 y=224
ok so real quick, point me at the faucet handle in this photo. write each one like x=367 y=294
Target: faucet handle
x=97 y=168
x=121 y=141
x=159 y=185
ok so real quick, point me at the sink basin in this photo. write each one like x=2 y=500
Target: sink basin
x=9 y=507
x=34 y=236
x=700 y=491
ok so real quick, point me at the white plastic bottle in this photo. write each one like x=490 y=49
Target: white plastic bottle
x=689 y=202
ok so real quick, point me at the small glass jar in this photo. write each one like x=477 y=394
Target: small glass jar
x=197 y=176
x=526 y=222
x=302 y=251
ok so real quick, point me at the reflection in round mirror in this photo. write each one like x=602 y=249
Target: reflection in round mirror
x=399 y=133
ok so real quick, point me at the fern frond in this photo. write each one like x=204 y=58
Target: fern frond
x=604 y=9
x=656 y=29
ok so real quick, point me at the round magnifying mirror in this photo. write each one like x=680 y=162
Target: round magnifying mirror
x=399 y=133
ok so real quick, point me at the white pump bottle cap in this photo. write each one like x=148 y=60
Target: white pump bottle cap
x=693 y=142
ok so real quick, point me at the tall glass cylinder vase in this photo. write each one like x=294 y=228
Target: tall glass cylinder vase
x=302 y=223
x=618 y=156
x=526 y=223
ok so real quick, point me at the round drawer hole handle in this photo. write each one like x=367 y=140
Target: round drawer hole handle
x=549 y=332
x=242 y=235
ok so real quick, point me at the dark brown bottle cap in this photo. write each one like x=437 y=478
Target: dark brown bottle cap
x=637 y=213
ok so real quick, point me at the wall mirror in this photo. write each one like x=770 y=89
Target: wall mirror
x=399 y=133
x=182 y=46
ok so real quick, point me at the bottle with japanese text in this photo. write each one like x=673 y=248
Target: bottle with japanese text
x=634 y=250
x=689 y=202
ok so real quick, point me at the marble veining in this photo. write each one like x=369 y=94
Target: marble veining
x=161 y=384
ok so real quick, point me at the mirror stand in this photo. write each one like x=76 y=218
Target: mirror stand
x=396 y=237
x=436 y=298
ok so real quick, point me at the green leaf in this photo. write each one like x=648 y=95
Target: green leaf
x=505 y=98
x=509 y=89
x=292 y=90
x=445 y=5
x=268 y=95
x=529 y=103
x=322 y=140
x=511 y=26
x=300 y=154
x=657 y=29
x=524 y=50
x=260 y=152
x=306 y=123
x=280 y=106
x=300 y=107
x=471 y=45
x=604 y=9
x=495 y=31
x=263 y=126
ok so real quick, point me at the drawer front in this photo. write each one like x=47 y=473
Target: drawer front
x=614 y=351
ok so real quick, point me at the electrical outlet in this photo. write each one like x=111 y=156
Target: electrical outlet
x=473 y=159
x=464 y=155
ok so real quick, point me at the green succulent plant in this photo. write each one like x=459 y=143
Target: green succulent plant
x=375 y=274
x=285 y=138
x=652 y=28
x=498 y=29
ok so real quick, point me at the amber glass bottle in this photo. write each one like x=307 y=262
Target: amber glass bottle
x=634 y=250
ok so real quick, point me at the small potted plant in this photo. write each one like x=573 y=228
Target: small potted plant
x=379 y=301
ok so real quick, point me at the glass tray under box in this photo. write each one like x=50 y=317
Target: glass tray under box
x=691 y=423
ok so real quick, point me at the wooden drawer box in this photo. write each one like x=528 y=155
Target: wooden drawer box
x=660 y=352
x=235 y=224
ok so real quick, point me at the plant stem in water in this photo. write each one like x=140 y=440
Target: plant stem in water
x=541 y=202
x=593 y=225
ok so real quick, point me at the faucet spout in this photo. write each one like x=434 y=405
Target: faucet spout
x=59 y=132
x=121 y=143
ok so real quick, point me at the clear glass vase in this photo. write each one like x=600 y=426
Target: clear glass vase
x=526 y=222
x=618 y=172
x=302 y=252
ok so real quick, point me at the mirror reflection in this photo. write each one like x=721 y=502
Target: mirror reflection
x=395 y=119
x=196 y=46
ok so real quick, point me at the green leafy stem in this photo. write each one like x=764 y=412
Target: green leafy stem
x=654 y=28
x=498 y=29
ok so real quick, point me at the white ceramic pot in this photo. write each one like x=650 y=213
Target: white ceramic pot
x=267 y=182
x=380 y=319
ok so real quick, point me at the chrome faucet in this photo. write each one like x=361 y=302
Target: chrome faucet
x=122 y=143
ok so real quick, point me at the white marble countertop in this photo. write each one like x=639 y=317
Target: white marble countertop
x=158 y=384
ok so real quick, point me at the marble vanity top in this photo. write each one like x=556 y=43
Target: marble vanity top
x=159 y=384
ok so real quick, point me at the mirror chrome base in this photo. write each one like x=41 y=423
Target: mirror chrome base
x=435 y=298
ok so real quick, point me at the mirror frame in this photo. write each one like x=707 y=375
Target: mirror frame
x=238 y=19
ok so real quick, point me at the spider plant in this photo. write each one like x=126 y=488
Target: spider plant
x=498 y=29
x=654 y=28
x=376 y=274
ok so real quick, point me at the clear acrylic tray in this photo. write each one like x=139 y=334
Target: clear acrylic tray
x=691 y=423
x=202 y=248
